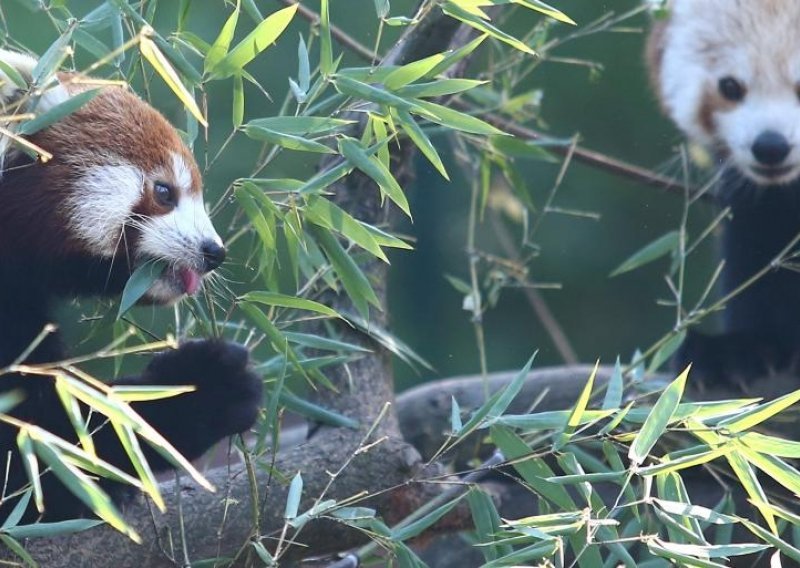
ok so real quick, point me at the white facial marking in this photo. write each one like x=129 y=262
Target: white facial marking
x=179 y=235
x=183 y=175
x=100 y=205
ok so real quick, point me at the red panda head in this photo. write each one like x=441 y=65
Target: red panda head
x=121 y=188
x=728 y=74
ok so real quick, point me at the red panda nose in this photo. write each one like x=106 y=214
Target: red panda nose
x=770 y=148
x=213 y=255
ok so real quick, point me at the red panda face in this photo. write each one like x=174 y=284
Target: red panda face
x=124 y=189
x=729 y=75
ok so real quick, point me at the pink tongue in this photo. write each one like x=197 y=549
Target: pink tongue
x=190 y=280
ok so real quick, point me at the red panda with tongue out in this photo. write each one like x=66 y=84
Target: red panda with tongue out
x=121 y=189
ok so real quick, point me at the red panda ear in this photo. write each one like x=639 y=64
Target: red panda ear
x=654 y=54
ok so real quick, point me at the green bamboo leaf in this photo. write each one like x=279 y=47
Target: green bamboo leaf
x=350 y=275
x=776 y=468
x=533 y=470
x=254 y=43
x=53 y=57
x=324 y=179
x=550 y=420
x=388 y=341
x=545 y=9
x=139 y=283
x=58 y=112
x=15 y=516
x=771 y=445
x=325 y=213
x=666 y=244
x=382 y=8
x=440 y=88
x=453 y=57
x=357 y=155
x=293 y=498
x=454 y=119
x=614 y=389
x=284 y=301
x=678 y=554
x=749 y=419
x=411 y=72
x=302 y=125
x=658 y=419
x=143 y=393
x=25 y=445
x=119 y=412
x=694 y=511
x=786 y=548
x=420 y=140
x=381 y=133
x=289 y=141
x=325 y=44
x=359 y=90
x=161 y=64
x=452 y=9
x=749 y=481
x=487 y=525
x=527 y=556
x=238 y=101
x=455 y=416
x=133 y=450
x=315 y=412
x=384 y=239
x=415 y=528
x=13 y=75
x=60 y=528
x=304 y=66
x=85 y=489
x=74 y=413
x=324 y=343
x=577 y=412
x=19 y=550
x=263 y=225
x=219 y=49
x=666 y=351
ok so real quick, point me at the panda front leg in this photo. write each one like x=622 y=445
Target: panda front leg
x=226 y=400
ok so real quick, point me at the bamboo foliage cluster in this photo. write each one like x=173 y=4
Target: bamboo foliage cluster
x=301 y=243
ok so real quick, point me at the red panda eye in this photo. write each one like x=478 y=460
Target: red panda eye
x=165 y=194
x=731 y=89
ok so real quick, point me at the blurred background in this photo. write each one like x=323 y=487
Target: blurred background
x=594 y=87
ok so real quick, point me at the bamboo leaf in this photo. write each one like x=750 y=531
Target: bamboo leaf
x=254 y=43
x=139 y=283
x=219 y=49
x=325 y=44
x=420 y=140
x=666 y=244
x=658 y=419
x=293 y=498
x=161 y=64
x=371 y=166
x=284 y=301
x=58 y=112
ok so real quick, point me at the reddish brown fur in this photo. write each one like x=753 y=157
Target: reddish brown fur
x=116 y=127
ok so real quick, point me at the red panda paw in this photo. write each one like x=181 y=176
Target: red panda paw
x=226 y=401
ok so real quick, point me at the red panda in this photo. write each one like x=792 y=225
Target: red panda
x=728 y=74
x=120 y=189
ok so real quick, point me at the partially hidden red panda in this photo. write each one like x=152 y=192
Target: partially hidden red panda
x=120 y=189
x=728 y=74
